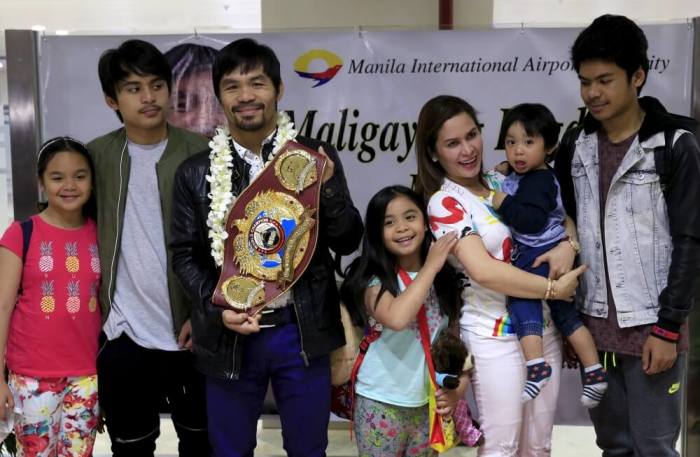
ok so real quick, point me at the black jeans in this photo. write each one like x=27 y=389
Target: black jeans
x=134 y=384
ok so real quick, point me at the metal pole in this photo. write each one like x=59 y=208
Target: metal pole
x=446 y=19
x=25 y=118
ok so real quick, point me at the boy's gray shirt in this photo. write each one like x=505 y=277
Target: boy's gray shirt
x=141 y=304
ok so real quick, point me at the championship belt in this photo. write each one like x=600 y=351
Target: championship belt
x=272 y=231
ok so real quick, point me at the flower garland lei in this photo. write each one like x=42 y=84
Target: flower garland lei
x=219 y=177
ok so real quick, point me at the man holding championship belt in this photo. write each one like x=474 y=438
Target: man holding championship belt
x=260 y=328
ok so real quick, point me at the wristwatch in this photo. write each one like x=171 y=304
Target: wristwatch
x=574 y=244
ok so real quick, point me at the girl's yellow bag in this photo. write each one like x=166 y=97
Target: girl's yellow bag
x=443 y=435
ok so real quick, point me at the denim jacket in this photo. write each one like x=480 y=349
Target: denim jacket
x=651 y=235
x=637 y=236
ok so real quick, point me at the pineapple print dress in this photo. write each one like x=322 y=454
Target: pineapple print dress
x=53 y=339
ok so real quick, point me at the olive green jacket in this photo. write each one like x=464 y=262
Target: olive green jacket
x=112 y=164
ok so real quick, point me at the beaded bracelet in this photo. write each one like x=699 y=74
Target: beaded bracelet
x=666 y=335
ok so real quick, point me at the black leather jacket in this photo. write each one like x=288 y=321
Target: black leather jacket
x=218 y=349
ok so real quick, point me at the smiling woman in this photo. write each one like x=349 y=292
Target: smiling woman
x=449 y=152
x=458 y=149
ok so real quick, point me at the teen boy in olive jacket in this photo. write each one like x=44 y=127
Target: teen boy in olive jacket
x=144 y=361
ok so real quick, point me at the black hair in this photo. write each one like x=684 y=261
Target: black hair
x=536 y=119
x=131 y=57
x=449 y=352
x=614 y=39
x=49 y=149
x=246 y=55
x=433 y=115
x=377 y=262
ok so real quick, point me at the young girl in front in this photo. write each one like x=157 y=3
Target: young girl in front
x=49 y=314
x=391 y=390
x=531 y=205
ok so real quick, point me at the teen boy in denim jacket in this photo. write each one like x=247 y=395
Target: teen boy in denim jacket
x=635 y=202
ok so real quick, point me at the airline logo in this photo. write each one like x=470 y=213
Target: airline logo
x=332 y=61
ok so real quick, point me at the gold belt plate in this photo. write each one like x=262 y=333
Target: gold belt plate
x=296 y=170
x=271 y=220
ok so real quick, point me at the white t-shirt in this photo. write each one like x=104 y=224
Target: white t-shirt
x=454 y=208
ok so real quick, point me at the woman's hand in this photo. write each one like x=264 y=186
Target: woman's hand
x=497 y=200
x=564 y=288
x=560 y=259
x=7 y=402
x=439 y=250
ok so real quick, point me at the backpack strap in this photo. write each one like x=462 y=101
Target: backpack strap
x=562 y=167
x=568 y=140
x=27 y=227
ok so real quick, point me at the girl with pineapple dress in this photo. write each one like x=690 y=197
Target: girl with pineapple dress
x=49 y=314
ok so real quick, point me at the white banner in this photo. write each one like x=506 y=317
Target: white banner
x=369 y=107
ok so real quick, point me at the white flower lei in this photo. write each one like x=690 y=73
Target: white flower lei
x=219 y=177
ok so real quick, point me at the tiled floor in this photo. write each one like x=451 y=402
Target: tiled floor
x=568 y=441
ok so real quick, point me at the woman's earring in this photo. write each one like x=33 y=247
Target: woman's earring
x=434 y=158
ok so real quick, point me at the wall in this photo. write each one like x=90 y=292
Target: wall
x=385 y=14
x=577 y=13
x=122 y=17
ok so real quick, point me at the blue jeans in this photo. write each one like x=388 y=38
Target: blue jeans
x=526 y=314
x=302 y=394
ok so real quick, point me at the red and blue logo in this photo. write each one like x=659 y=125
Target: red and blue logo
x=332 y=61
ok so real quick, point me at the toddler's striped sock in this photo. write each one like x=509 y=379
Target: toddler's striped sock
x=538 y=374
x=595 y=383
